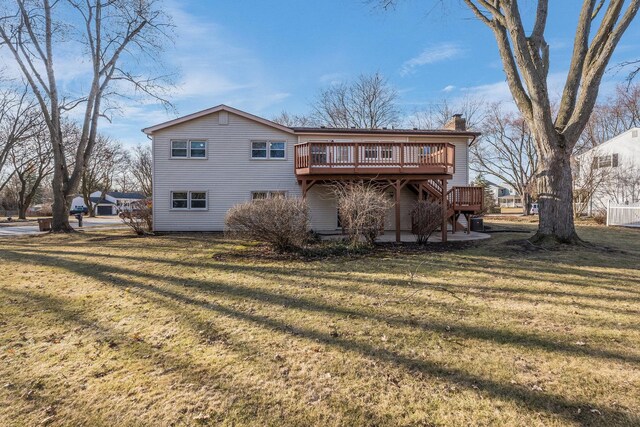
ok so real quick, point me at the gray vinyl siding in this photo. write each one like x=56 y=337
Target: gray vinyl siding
x=228 y=174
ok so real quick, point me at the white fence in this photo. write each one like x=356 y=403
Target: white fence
x=625 y=215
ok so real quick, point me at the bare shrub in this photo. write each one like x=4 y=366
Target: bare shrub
x=600 y=217
x=139 y=218
x=426 y=217
x=281 y=222
x=362 y=208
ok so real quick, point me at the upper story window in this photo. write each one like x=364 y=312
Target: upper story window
x=606 y=161
x=188 y=149
x=268 y=150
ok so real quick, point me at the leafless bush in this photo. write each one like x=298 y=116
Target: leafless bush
x=362 y=208
x=426 y=217
x=600 y=217
x=281 y=222
x=45 y=210
x=139 y=218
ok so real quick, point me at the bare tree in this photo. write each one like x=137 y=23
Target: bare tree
x=293 y=120
x=507 y=150
x=368 y=102
x=525 y=59
x=19 y=121
x=101 y=170
x=435 y=116
x=142 y=169
x=114 y=35
x=616 y=114
x=124 y=180
x=588 y=180
x=33 y=162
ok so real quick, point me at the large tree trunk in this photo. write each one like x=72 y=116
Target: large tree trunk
x=61 y=205
x=555 y=197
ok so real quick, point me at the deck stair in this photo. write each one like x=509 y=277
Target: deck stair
x=462 y=201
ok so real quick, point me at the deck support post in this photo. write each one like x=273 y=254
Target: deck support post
x=306 y=186
x=398 y=187
x=445 y=209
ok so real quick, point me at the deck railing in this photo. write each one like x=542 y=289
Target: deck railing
x=410 y=157
x=460 y=198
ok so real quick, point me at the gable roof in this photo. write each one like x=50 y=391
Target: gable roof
x=99 y=201
x=614 y=140
x=212 y=110
x=121 y=195
x=308 y=130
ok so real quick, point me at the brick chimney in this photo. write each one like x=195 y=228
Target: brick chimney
x=457 y=122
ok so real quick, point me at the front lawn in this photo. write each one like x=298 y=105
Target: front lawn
x=99 y=328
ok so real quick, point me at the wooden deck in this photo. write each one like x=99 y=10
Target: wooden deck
x=374 y=158
x=423 y=166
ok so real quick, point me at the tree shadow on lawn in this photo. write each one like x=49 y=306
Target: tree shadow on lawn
x=546 y=402
x=525 y=294
x=111 y=340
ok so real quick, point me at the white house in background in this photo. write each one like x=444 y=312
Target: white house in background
x=112 y=203
x=616 y=164
x=498 y=190
x=209 y=161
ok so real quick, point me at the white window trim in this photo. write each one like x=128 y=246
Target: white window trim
x=268 y=141
x=189 y=141
x=189 y=208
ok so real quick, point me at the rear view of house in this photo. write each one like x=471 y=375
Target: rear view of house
x=206 y=162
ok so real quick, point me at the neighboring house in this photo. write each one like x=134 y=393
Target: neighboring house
x=608 y=173
x=206 y=162
x=511 y=204
x=112 y=203
x=497 y=190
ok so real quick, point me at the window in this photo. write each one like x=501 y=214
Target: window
x=342 y=154
x=607 y=161
x=178 y=148
x=183 y=149
x=318 y=154
x=276 y=150
x=196 y=200
x=386 y=152
x=259 y=195
x=262 y=195
x=198 y=149
x=179 y=200
x=258 y=150
x=268 y=150
x=371 y=152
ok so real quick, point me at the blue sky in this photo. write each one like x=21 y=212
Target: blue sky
x=268 y=56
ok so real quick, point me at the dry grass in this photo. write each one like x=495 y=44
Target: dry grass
x=102 y=329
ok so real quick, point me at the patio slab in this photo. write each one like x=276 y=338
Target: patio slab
x=407 y=237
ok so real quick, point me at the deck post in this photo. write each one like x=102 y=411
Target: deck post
x=397 y=190
x=445 y=209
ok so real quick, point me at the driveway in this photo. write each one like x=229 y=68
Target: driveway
x=103 y=222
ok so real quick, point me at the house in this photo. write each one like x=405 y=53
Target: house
x=205 y=163
x=608 y=173
x=112 y=203
x=497 y=190
x=511 y=204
